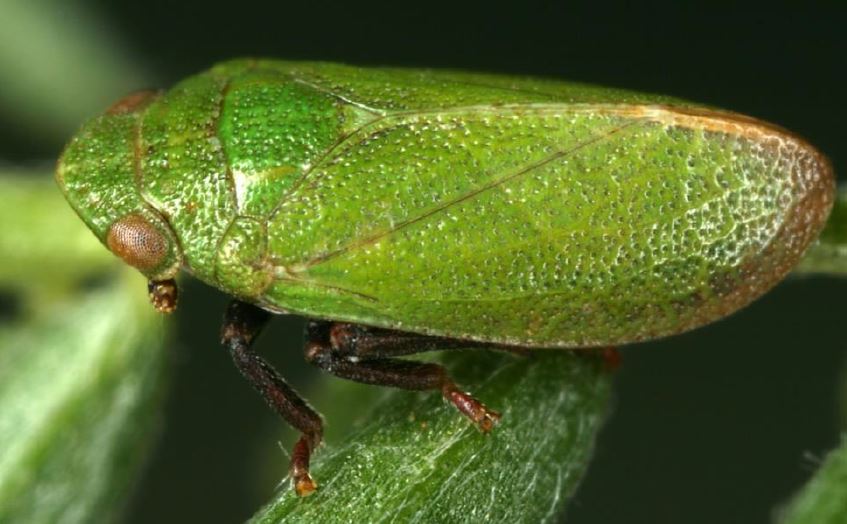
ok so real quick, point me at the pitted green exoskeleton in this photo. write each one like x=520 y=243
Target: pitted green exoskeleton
x=436 y=207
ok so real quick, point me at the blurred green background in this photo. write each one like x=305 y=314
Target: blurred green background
x=720 y=425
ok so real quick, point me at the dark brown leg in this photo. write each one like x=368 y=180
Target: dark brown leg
x=242 y=323
x=364 y=355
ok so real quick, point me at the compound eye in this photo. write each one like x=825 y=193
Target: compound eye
x=138 y=242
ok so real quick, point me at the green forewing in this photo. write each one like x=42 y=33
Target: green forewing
x=270 y=129
x=523 y=211
x=547 y=224
x=385 y=90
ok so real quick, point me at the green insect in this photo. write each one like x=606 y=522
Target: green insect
x=411 y=210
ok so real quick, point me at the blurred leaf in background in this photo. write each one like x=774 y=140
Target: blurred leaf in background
x=829 y=255
x=824 y=499
x=81 y=368
x=83 y=358
x=47 y=252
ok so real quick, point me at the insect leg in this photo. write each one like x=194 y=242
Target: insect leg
x=365 y=354
x=242 y=323
x=365 y=342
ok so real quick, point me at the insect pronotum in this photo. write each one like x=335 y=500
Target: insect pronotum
x=409 y=210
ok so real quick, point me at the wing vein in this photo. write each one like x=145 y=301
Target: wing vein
x=467 y=196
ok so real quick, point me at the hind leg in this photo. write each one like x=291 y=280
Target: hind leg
x=365 y=354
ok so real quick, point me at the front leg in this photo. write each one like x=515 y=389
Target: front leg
x=363 y=354
x=242 y=323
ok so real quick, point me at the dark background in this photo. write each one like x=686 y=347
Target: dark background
x=719 y=425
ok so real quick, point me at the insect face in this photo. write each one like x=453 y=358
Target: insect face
x=98 y=174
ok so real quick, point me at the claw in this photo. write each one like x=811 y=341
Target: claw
x=488 y=420
x=485 y=419
x=304 y=485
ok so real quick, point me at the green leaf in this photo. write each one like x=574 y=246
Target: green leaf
x=824 y=499
x=829 y=255
x=80 y=375
x=418 y=460
x=46 y=249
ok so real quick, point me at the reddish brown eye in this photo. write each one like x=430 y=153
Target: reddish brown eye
x=137 y=242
